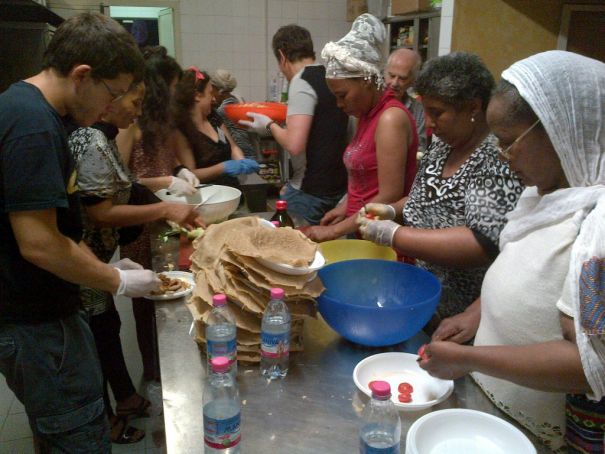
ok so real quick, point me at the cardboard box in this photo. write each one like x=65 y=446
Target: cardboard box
x=355 y=8
x=400 y=7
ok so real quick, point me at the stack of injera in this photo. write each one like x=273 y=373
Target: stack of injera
x=224 y=261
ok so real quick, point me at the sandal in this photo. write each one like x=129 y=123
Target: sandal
x=127 y=434
x=141 y=410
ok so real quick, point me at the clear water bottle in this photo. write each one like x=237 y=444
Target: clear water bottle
x=221 y=333
x=380 y=431
x=275 y=337
x=222 y=410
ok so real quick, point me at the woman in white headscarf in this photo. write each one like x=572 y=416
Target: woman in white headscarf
x=540 y=322
x=381 y=158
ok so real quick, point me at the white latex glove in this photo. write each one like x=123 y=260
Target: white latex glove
x=135 y=283
x=258 y=124
x=379 y=232
x=180 y=187
x=384 y=212
x=126 y=264
x=188 y=176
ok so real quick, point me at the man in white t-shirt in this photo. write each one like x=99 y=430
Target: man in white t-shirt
x=315 y=133
x=400 y=74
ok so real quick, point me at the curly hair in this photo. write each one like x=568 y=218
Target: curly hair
x=160 y=70
x=184 y=99
x=294 y=41
x=517 y=108
x=95 y=40
x=456 y=79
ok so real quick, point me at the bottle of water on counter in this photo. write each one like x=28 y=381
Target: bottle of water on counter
x=222 y=410
x=275 y=337
x=221 y=334
x=381 y=427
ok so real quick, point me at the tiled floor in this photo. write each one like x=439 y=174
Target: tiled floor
x=15 y=434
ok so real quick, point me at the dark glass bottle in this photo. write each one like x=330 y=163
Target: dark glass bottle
x=281 y=214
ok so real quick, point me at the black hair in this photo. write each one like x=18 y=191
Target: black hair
x=160 y=70
x=184 y=99
x=294 y=41
x=456 y=79
x=517 y=108
x=95 y=40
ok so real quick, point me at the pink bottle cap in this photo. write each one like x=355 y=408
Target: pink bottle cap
x=380 y=388
x=281 y=205
x=219 y=300
x=277 y=293
x=220 y=364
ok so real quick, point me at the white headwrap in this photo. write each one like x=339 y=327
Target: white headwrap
x=567 y=93
x=358 y=53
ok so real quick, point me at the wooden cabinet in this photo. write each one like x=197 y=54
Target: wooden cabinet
x=419 y=32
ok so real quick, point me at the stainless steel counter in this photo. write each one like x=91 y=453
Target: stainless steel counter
x=313 y=410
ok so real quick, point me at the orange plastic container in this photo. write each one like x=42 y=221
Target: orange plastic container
x=274 y=110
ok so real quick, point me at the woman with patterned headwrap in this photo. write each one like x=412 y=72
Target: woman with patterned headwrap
x=381 y=158
x=540 y=322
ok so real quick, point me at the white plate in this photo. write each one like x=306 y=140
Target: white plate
x=318 y=262
x=396 y=368
x=182 y=275
x=464 y=431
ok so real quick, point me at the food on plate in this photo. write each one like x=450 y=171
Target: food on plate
x=405 y=388
x=405 y=398
x=169 y=285
x=195 y=233
x=422 y=353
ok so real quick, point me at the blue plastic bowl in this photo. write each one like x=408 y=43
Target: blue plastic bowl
x=377 y=302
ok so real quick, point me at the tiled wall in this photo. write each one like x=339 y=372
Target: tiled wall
x=236 y=35
x=445 y=28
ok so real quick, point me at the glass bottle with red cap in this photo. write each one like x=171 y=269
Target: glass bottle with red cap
x=380 y=430
x=281 y=214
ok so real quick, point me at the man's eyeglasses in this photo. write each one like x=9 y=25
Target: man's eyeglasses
x=505 y=153
x=114 y=96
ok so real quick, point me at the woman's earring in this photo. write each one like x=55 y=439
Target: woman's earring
x=472 y=119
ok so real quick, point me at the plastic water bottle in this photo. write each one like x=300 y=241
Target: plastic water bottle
x=275 y=337
x=221 y=333
x=222 y=410
x=381 y=428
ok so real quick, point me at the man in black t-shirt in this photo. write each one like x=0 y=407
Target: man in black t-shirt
x=47 y=353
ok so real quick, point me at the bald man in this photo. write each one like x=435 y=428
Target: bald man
x=400 y=74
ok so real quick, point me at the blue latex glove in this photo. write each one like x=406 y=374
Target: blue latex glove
x=249 y=165
x=233 y=167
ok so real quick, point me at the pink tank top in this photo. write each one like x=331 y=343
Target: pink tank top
x=360 y=156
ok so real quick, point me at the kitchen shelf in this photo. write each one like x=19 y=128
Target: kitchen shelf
x=418 y=28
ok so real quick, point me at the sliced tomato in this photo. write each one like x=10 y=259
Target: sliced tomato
x=370 y=215
x=405 y=398
x=405 y=388
x=422 y=353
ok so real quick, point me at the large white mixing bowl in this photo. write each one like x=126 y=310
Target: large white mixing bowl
x=219 y=201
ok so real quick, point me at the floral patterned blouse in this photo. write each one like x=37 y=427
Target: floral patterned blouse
x=478 y=195
x=101 y=176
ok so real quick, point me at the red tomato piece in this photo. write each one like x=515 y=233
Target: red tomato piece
x=370 y=215
x=422 y=353
x=405 y=388
x=405 y=398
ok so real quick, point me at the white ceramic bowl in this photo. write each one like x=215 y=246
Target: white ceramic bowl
x=396 y=368
x=463 y=431
x=219 y=201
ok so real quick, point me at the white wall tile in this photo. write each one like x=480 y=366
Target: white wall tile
x=223 y=8
x=445 y=32
x=256 y=8
x=240 y=8
x=447 y=8
x=274 y=9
